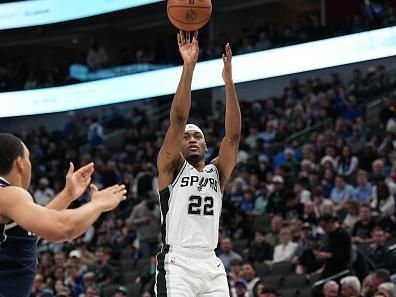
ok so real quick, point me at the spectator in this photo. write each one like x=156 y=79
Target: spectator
x=272 y=237
x=307 y=263
x=259 y=250
x=74 y=280
x=241 y=288
x=286 y=250
x=146 y=217
x=103 y=271
x=44 y=193
x=387 y=289
x=383 y=201
x=368 y=287
x=227 y=255
x=364 y=190
x=303 y=195
x=376 y=252
x=352 y=209
x=249 y=275
x=247 y=204
x=342 y=191
x=350 y=286
x=348 y=163
x=337 y=251
x=121 y=291
x=330 y=289
x=97 y=57
x=320 y=202
x=361 y=232
x=277 y=198
x=95 y=132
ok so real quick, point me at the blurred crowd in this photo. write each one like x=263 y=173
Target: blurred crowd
x=16 y=73
x=301 y=211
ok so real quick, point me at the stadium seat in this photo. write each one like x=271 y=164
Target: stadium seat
x=262 y=223
x=306 y=292
x=126 y=254
x=262 y=269
x=130 y=277
x=127 y=265
x=133 y=290
x=272 y=280
x=239 y=245
x=109 y=290
x=289 y=293
x=294 y=281
x=282 y=268
x=143 y=264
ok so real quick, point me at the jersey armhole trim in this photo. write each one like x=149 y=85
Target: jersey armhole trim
x=218 y=177
x=179 y=174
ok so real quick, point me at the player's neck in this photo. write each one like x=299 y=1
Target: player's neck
x=199 y=166
x=13 y=179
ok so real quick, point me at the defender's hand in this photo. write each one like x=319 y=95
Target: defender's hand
x=77 y=182
x=108 y=198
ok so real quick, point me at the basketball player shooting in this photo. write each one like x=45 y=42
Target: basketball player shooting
x=191 y=192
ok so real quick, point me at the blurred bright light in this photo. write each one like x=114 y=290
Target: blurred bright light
x=41 y=12
x=282 y=61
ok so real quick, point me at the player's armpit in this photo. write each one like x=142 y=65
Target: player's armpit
x=17 y=204
x=227 y=158
x=170 y=157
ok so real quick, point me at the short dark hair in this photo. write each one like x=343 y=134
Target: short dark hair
x=11 y=148
x=382 y=274
x=249 y=263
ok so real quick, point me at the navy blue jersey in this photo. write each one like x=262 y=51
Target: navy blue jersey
x=18 y=258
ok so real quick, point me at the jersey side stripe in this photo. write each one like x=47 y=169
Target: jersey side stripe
x=164 y=206
x=180 y=173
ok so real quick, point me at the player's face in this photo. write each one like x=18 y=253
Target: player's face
x=193 y=147
x=25 y=168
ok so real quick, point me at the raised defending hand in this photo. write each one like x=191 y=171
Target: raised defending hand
x=227 y=60
x=108 y=198
x=77 y=182
x=189 y=48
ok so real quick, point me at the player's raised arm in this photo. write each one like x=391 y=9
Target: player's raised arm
x=170 y=158
x=229 y=146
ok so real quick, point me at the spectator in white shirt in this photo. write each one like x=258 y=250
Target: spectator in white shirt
x=383 y=201
x=44 y=193
x=286 y=249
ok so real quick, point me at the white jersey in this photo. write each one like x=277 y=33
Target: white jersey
x=191 y=207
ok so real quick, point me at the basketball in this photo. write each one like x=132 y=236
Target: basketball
x=189 y=15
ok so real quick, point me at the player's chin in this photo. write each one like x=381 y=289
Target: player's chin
x=193 y=157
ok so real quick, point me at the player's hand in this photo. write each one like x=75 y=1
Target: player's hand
x=189 y=48
x=227 y=61
x=77 y=182
x=108 y=198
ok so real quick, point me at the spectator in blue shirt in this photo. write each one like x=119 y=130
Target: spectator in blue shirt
x=342 y=191
x=247 y=204
x=364 y=190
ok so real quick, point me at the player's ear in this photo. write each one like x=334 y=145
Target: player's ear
x=19 y=163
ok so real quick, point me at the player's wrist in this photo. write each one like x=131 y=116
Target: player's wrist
x=229 y=82
x=189 y=65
